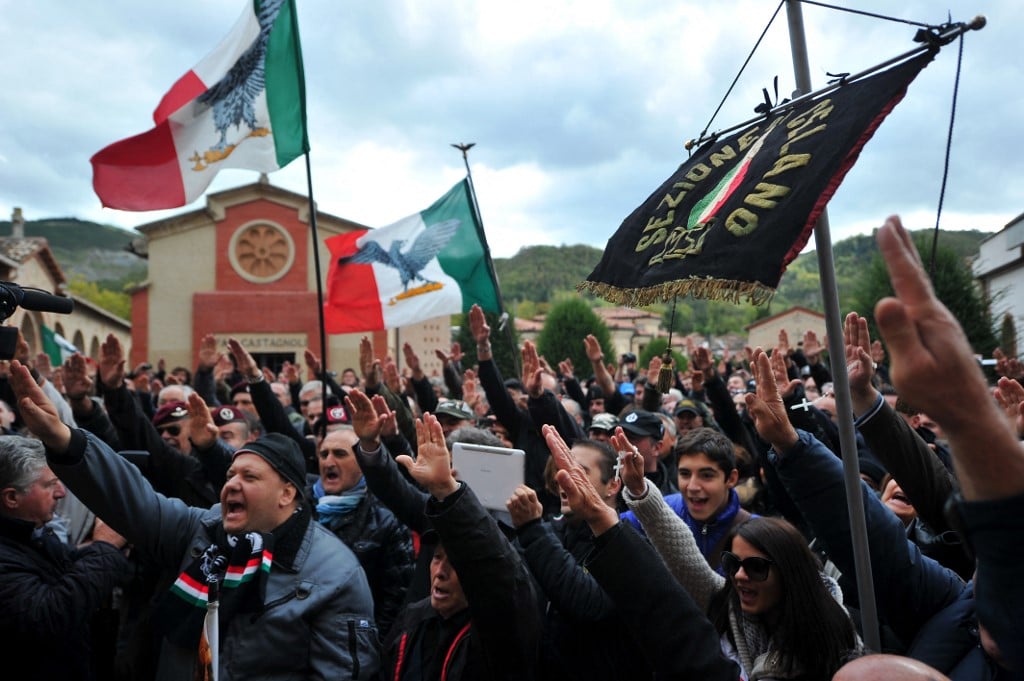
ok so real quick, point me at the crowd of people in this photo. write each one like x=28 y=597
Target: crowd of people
x=234 y=521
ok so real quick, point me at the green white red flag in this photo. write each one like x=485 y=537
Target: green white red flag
x=430 y=264
x=242 y=106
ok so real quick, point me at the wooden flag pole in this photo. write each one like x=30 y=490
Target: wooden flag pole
x=840 y=378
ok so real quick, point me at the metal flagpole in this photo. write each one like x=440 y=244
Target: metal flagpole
x=319 y=285
x=464 y=147
x=840 y=378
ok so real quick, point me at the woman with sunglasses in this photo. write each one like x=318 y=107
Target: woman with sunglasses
x=777 y=614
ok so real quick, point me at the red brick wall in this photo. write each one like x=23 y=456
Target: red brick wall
x=262 y=210
x=140 y=328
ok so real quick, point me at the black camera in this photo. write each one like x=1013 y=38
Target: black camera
x=628 y=358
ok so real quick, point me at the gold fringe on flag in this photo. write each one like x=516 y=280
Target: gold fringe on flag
x=708 y=288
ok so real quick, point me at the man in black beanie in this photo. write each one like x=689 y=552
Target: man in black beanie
x=293 y=600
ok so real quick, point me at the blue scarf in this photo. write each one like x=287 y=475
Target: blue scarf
x=332 y=507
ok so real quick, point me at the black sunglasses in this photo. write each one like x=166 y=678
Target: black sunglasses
x=755 y=566
x=173 y=431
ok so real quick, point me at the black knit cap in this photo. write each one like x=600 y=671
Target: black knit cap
x=281 y=452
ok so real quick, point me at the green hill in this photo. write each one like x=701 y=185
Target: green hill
x=801 y=284
x=88 y=250
x=539 y=273
x=530 y=280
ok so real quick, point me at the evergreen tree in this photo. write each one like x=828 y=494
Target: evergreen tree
x=657 y=347
x=565 y=327
x=505 y=352
x=1008 y=336
x=954 y=285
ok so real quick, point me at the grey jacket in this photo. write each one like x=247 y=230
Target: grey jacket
x=317 y=621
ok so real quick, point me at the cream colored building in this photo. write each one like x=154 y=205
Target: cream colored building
x=630 y=329
x=796 y=321
x=1000 y=269
x=29 y=262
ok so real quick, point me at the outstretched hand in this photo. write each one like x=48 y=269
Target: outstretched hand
x=532 y=371
x=392 y=379
x=478 y=327
x=412 y=360
x=368 y=365
x=37 y=411
x=370 y=418
x=78 y=385
x=209 y=354
x=1010 y=367
x=433 y=465
x=924 y=338
x=243 y=360
x=859 y=365
x=201 y=429
x=766 y=407
x=933 y=368
x=583 y=498
x=1010 y=396
x=783 y=383
x=111 y=364
x=313 y=366
x=631 y=463
x=812 y=347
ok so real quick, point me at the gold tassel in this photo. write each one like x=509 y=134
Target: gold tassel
x=665 y=374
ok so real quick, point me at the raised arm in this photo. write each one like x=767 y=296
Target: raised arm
x=933 y=367
x=572 y=590
x=271 y=411
x=674 y=635
x=917 y=469
x=110 y=486
x=502 y=404
x=498 y=587
x=370 y=419
x=910 y=588
x=207 y=358
x=89 y=413
x=669 y=535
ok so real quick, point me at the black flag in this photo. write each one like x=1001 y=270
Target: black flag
x=729 y=221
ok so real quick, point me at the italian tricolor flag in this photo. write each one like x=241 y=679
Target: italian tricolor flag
x=56 y=346
x=427 y=265
x=243 y=106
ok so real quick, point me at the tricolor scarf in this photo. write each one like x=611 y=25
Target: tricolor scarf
x=233 y=571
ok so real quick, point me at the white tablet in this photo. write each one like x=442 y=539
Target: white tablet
x=492 y=472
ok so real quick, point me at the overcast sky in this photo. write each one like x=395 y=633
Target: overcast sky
x=579 y=109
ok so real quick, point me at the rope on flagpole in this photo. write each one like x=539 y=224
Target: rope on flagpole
x=932 y=40
x=739 y=73
x=945 y=165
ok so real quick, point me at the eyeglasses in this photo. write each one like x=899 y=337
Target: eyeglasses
x=173 y=430
x=756 y=567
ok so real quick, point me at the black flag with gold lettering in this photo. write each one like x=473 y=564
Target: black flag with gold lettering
x=729 y=221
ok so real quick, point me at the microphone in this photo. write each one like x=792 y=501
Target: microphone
x=41 y=301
